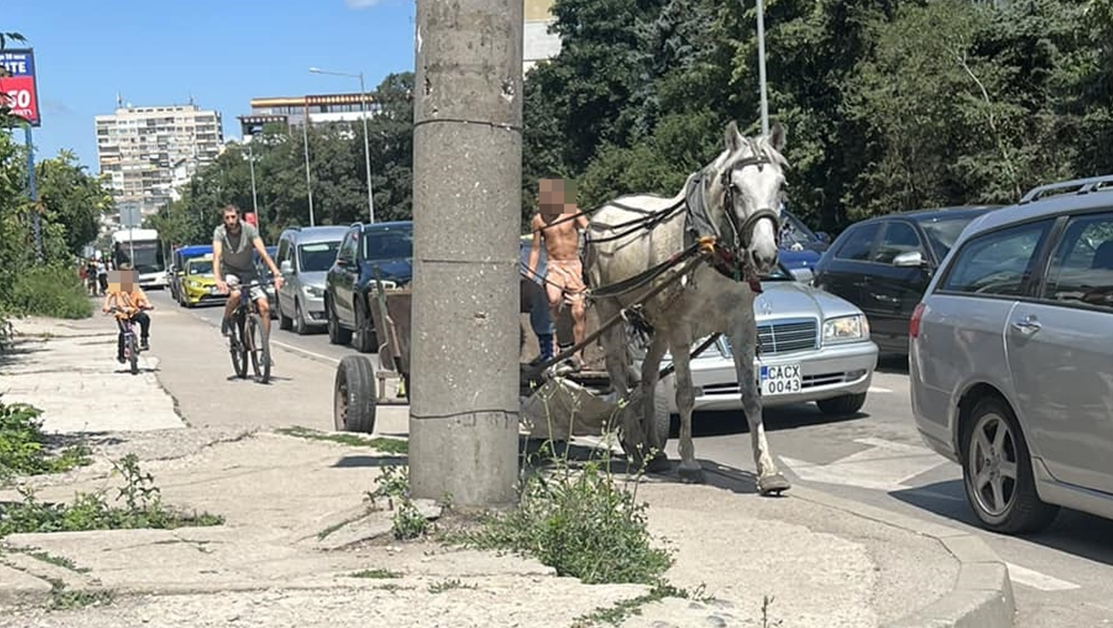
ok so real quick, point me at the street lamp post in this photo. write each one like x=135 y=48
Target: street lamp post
x=308 y=180
x=254 y=197
x=761 y=67
x=366 y=140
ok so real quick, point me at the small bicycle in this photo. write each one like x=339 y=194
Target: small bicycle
x=131 y=343
x=249 y=337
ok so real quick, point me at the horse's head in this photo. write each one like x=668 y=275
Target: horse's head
x=750 y=183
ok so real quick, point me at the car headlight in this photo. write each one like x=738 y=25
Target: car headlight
x=314 y=292
x=846 y=329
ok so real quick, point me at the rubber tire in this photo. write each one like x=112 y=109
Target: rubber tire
x=662 y=418
x=300 y=328
x=364 y=339
x=1026 y=513
x=842 y=406
x=238 y=365
x=133 y=351
x=354 y=399
x=261 y=354
x=337 y=335
x=284 y=322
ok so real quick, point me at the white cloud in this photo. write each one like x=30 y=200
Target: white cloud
x=361 y=4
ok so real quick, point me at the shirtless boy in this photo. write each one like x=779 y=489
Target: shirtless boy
x=558 y=225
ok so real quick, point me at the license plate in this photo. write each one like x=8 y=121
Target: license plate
x=780 y=379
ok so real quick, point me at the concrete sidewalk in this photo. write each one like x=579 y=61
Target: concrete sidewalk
x=291 y=505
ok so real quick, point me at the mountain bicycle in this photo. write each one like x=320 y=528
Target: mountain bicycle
x=248 y=337
x=131 y=343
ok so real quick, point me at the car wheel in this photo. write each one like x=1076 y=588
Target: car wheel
x=299 y=319
x=284 y=321
x=337 y=335
x=365 y=337
x=842 y=406
x=354 y=401
x=997 y=471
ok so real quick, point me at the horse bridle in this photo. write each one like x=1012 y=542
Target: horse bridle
x=743 y=234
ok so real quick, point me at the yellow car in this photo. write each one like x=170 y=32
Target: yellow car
x=199 y=283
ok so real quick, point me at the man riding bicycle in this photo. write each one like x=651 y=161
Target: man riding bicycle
x=234 y=246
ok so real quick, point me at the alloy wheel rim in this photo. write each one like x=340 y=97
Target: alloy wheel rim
x=994 y=465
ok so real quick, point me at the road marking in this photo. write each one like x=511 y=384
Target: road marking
x=1038 y=580
x=878 y=389
x=884 y=466
x=279 y=343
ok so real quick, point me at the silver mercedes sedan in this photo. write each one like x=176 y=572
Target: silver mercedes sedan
x=815 y=347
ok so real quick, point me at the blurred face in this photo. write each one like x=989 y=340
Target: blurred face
x=232 y=220
x=556 y=196
x=122 y=280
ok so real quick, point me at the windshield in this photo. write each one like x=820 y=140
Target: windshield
x=318 y=256
x=201 y=268
x=794 y=231
x=147 y=256
x=396 y=243
x=942 y=232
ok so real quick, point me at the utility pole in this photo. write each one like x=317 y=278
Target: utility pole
x=366 y=141
x=36 y=216
x=467 y=206
x=308 y=181
x=761 y=67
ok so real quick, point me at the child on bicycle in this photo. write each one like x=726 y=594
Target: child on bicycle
x=123 y=293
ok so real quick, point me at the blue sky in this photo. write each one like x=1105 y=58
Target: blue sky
x=222 y=52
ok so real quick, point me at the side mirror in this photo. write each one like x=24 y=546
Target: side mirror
x=286 y=268
x=823 y=237
x=911 y=259
x=803 y=275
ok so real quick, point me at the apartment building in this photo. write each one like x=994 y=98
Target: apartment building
x=537 y=43
x=147 y=153
x=292 y=111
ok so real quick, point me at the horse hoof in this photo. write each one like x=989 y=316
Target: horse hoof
x=773 y=484
x=658 y=464
x=691 y=476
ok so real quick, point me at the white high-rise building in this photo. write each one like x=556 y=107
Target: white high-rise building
x=147 y=153
x=537 y=43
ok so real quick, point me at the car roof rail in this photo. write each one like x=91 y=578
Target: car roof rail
x=1077 y=186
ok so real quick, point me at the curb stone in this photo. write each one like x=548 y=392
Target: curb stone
x=982 y=596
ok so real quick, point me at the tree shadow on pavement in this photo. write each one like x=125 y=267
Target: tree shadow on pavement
x=370 y=462
x=1086 y=536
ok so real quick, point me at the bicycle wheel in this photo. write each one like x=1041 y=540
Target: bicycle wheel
x=133 y=353
x=238 y=349
x=260 y=348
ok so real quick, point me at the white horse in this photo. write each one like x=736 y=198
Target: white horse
x=737 y=199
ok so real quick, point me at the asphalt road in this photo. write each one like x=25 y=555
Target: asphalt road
x=1062 y=577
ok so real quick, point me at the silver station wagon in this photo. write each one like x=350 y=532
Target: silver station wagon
x=1011 y=357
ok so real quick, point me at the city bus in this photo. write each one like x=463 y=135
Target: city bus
x=142 y=248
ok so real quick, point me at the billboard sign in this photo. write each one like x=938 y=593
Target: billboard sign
x=18 y=84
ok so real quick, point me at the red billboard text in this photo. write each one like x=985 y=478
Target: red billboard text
x=18 y=86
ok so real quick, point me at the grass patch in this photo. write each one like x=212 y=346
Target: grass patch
x=58 y=561
x=387 y=445
x=142 y=508
x=51 y=291
x=23 y=449
x=624 y=609
x=376 y=574
x=448 y=585
x=62 y=598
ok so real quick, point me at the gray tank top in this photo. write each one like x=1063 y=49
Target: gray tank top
x=239 y=252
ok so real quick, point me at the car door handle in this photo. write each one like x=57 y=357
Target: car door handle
x=1027 y=325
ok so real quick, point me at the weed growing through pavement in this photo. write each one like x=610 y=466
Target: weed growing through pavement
x=376 y=574
x=394 y=486
x=143 y=508
x=23 y=449
x=385 y=445
x=448 y=585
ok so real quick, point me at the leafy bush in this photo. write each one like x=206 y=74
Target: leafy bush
x=23 y=445
x=583 y=523
x=53 y=291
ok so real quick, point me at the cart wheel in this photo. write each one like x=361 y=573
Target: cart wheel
x=354 y=398
x=662 y=418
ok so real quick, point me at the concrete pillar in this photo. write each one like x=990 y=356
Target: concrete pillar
x=467 y=207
